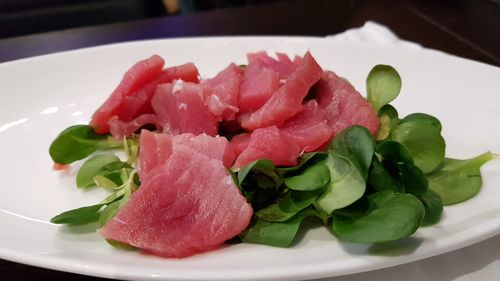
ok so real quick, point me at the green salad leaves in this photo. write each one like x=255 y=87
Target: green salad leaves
x=77 y=142
x=365 y=189
x=373 y=189
x=102 y=170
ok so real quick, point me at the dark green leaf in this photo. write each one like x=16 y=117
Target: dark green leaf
x=274 y=213
x=280 y=234
x=458 y=180
x=262 y=165
x=413 y=179
x=356 y=144
x=264 y=181
x=380 y=179
x=394 y=151
x=401 y=174
x=79 y=216
x=291 y=203
x=391 y=216
x=312 y=178
x=78 y=142
x=382 y=85
x=262 y=197
x=91 y=167
x=433 y=207
x=356 y=209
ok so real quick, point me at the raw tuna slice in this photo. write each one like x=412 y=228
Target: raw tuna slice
x=343 y=105
x=240 y=142
x=221 y=92
x=139 y=102
x=283 y=65
x=272 y=144
x=187 y=206
x=157 y=148
x=120 y=129
x=185 y=72
x=214 y=147
x=259 y=84
x=134 y=79
x=180 y=109
x=309 y=128
x=287 y=101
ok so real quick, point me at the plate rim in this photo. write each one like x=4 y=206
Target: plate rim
x=315 y=273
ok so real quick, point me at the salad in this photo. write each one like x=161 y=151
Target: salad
x=248 y=155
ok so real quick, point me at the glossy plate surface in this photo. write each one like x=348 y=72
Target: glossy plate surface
x=41 y=96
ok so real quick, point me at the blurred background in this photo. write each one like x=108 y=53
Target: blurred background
x=22 y=17
x=468 y=28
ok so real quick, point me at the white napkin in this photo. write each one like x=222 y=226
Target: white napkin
x=373 y=32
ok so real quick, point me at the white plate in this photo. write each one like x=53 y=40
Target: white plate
x=43 y=95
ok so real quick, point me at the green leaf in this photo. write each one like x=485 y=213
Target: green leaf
x=274 y=213
x=79 y=216
x=413 y=179
x=423 y=118
x=399 y=165
x=262 y=197
x=115 y=166
x=131 y=147
x=383 y=85
x=394 y=151
x=234 y=177
x=291 y=203
x=108 y=213
x=433 y=207
x=264 y=181
x=118 y=199
x=91 y=167
x=458 y=180
x=115 y=196
x=356 y=144
x=279 y=234
x=295 y=201
x=345 y=187
x=312 y=178
x=423 y=141
x=105 y=181
x=307 y=159
x=262 y=165
x=78 y=142
x=380 y=179
x=120 y=245
x=391 y=216
x=389 y=119
x=259 y=182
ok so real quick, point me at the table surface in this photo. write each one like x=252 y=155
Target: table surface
x=467 y=28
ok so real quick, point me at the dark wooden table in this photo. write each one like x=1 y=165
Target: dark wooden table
x=467 y=28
